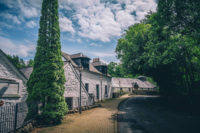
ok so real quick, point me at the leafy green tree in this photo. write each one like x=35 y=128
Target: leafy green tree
x=115 y=70
x=19 y=63
x=30 y=63
x=166 y=49
x=182 y=16
x=46 y=83
x=131 y=47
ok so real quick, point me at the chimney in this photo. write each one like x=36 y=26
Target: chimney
x=95 y=60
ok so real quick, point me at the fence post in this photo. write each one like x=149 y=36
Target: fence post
x=16 y=110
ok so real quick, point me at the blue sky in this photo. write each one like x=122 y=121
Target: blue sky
x=88 y=26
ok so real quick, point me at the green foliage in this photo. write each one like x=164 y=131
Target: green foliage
x=131 y=46
x=18 y=62
x=30 y=63
x=115 y=70
x=165 y=46
x=46 y=83
x=15 y=60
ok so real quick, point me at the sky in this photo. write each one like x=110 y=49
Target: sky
x=88 y=26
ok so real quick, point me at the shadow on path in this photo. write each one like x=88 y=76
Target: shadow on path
x=145 y=114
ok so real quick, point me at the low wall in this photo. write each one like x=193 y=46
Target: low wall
x=145 y=92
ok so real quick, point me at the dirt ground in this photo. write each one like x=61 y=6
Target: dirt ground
x=97 y=120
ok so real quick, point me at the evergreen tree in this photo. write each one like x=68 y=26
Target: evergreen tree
x=46 y=83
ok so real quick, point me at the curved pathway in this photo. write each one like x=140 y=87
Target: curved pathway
x=144 y=114
x=97 y=120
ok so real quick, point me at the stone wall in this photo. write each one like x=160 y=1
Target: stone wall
x=73 y=87
x=124 y=89
x=9 y=72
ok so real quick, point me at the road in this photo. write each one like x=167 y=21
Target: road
x=145 y=114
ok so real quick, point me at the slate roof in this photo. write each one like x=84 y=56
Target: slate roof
x=17 y=71
x=27 y=71
x=100 y=63
x=68 y=58
x=128 y=83
x=93 y=69
x=78 y=55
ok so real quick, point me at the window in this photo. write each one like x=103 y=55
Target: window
x=106 y=91
x=129 y=89
x=87 y=87
x=9 y=88
x=121 y=89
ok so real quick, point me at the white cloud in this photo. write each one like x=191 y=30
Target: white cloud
x=124 y=18
x=2 y=33
x=95 y=45
x=66 y=24
x=34 y=3
x=27 y=10
x=97 y=19
x=98 y=23
x=11 y=17
x=9 y=3
x=102 y=21
x=79 y=40
x=102 y=54
x=31 y=24
x=141 y=7
x=12 y=48
x=5 y=25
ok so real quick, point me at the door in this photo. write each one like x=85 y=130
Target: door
x=106 y=91
x=69 y=101
x=97 y=92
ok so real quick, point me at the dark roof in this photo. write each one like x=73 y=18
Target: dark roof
x=129 y=82
x=143 y=78
x=12 y=65
x=91 y=67
x=27 y=71
x=100 y=63
x=68 y=58
x=78 y=55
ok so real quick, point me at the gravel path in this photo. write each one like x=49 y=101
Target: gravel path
x=144 y=114
x=98 y=120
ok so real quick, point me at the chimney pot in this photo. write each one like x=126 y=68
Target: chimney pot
x=95 y=60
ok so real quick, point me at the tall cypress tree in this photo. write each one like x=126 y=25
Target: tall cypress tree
x=46 y=83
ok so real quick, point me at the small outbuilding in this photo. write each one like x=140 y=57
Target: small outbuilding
x=130 y=84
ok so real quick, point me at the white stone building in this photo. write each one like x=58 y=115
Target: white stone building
x=130 y=84
x=12 y=82
x=95 y=85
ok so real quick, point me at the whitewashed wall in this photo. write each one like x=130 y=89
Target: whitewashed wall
x=73 y=87
x=93 y=79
